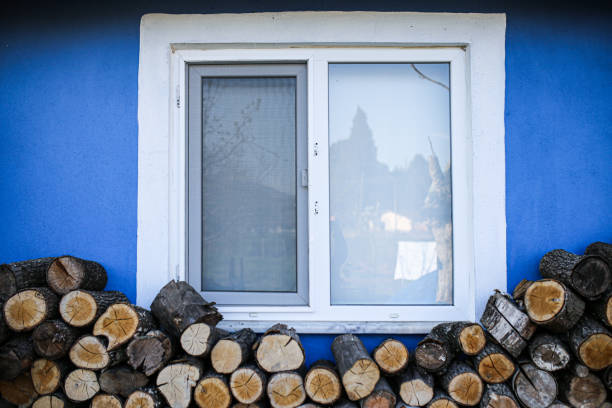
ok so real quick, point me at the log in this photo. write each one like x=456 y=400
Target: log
x=28 y=308
x=68 y=273
x=591 y=342
x=509 y=326
x=279 y=349
x=18 y=391
x=560 y=404
x=548 y=352
x=553 y=305
x=578 y=369
x=601 y=308
x=248 y=384
x=582 y=392
x=589 y=275
x=178 y=306
x=81 y=385
x=16 y=356
x=286 y=390
x=81 y=308
x=122 y=380
x=415 y=386
x=47 y=375
x=437 y=350
x=519 y=290
x=52 y=339
x=383 y=396
x=90 y=352
x=462 y=383
x=177 y=379
x=322 y=383
x=344 y=403
x=469 y=337
x=149 y=353
x=359 y=373
x=17 y=276
x=493 y=364
x=212 y=391
x=122 y=321
x=391 y=356
x=498 y=396
x=261 y=404
x=57 y=400
x=145 y=398
x=4 y=330
x=441 y=400
x=199 y=338
x=232 y=351
x=106 y=401
x=601 y=249
x=606 y=377
x=534 y=388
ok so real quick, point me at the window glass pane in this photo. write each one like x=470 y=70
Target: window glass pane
x=390 y=184
x=249 y=184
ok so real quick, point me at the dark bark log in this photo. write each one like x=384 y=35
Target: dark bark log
x=519 y=290
x=178 y=305
x=548 y=352
x=122 y=380
x=359 y=373
x=415 y=386
x=28 y=308
x=591 y=342
x=286 y=390
x=248 y=384
x=437 y=350
x=199 y=338
x=344 y=403
x=493 y=364
x=601 y=249
x=177 y=379
x=17 y=276
x=150 y=353
x=577 y=368
x=68 y=273
x=212 y=391
x=232 y=351
x=144 y=398
x=121 y=322
x=260 y=404
x=322 y=383
x=553 y=305
x=462 y=383
x=606 y=377
x=53 y=339
x=81 y=385
x=4 y=330
x=16 y=356
x=589 y=275
x=510 y=327
x=391 y=356
x=533 y=387
x=383 y=396
x=47 y=375
x=441 y=400
x=601 y=308
x=57 y=400
x=279 y=349
x=81 y=308
x=582 y=392
x=106 y=401
x=18 y=391
x=498 y=396
x=90 y=352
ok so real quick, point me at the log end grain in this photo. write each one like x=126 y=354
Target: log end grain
x=431 y=356
x=544 y=299
x=89 y=352
x=81 y=385
x=196 y=338
x=149 y=353
x=466 y=389
x=142 y=399
x=46 y=376
x=118 y=324
x=68 y=273
x=592 y=276
x=416 y=393
x=78 y=308
x=286 y=390
x=247 y=384
x=496 y=368
x=53 y=338
x=359 y=381
x=596 y=351
x=472 y=339
x=533 y=387
x=391 y=356
x=175 y=382
x=322 y=385
x=27 y=309
x=106 y=401
x=50 y=401
x=279 y=352
x=585 y=392
x=212 y=392
x=226 y=356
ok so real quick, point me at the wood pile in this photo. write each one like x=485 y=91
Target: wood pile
x=65 y=342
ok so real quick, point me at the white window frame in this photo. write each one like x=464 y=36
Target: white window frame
x=472 y=43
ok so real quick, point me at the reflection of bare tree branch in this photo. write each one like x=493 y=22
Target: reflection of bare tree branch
x=422 y=75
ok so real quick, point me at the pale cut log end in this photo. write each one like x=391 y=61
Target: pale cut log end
x=247 y=385
x=19 y=391
x=444 y=402
x=106 y=401
x=89 y=352
x=46 y=376
x=65 y=274
x=175 y=382
x=391 y=356
x=118 y=324
x=78 y=308
x=49 y=401
x=212 y=392
x=279 y=352
x=323 y=385
x=501 y=401
x=27 y=309
x=534 y=387
x=496 y=368
x=596 y=351
x=81 y=385
x=544 y=299
x=466 y=388
x=141 y=399
x=286 y=390
x=360 y=380
x=416 y=393
x=472 y=339
x=226 y=356
x=585 y=392
x=195 y=340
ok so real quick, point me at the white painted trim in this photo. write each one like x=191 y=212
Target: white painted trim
x=167 y=41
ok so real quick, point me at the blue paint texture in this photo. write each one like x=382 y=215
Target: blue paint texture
x=68 y=128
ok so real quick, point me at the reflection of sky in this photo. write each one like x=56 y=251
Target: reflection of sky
x=402 y=109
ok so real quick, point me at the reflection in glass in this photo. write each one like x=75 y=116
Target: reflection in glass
x=390 y=184
x=249 y=184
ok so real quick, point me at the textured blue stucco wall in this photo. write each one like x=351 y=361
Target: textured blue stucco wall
x=68 y=128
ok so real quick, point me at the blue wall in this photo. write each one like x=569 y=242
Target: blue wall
x=68 y=147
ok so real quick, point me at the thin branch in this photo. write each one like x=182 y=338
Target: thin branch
x=422 y=75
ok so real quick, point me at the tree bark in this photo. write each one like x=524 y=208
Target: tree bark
x=199 y=338
x=498 y=396
x=391 y=356
x=53 y=339
x=383 y=396
x=16 y=356
x=279 y=349
x=591 y=342
x=28 y=308
x=232 y=351
x=122 y=380
x=176 y=380
x=68 y=273
x=582 y=392
x=18 y=391
x=415 y=386
x=17 y=276
x=212 y=391
x=248 y=384
x=286 y=390
x=322 y=383
x=437 y=350
x=47 y=375
x=359 y=373
x=81 y=385
x=601 y=249
x=149 y=353
x=601 y=308
x=533 y=387
x=548 y=352
x=462 y=383
x=552 y=305
x=121 y=321
x=81 y=308
x=493 y=364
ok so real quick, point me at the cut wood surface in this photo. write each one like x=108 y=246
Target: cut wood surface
x=548 y=352
x=18 y=391
x=198 y=339
x=436 y=351
x=57 y=400
x=81 y=308
x=16 y=356
x=442 y=400
x=498 y=396
x=470 y=337
x=582 y=392
x=493 y=364
x=81 y=385
x=589 y=275
x=552 y=305
x=322 y=383
x=149 y=353
x=533 y=387
x=391 y=356
x=359 y=373
x=176 y=381
x=383 y=396
x=248 y=384
x=591 y=342
x=22 y=275
x=233 y=350
x=279 y=349
x=121 y=321
x=68 y=273
x=53 y=339
x=145 y=398
x=178 y=306
x=462 y=383
x=122 y=380
x=47 y=375
x=601 y=249
x=416 y=386
x=286 y=390
x=212 y=391
x=106 y=401
x=28 y=308
x=602 y=308
x=90 y=352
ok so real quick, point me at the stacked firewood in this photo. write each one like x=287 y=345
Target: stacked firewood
x=65 y=342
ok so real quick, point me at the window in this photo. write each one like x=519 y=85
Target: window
x=329 y=184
